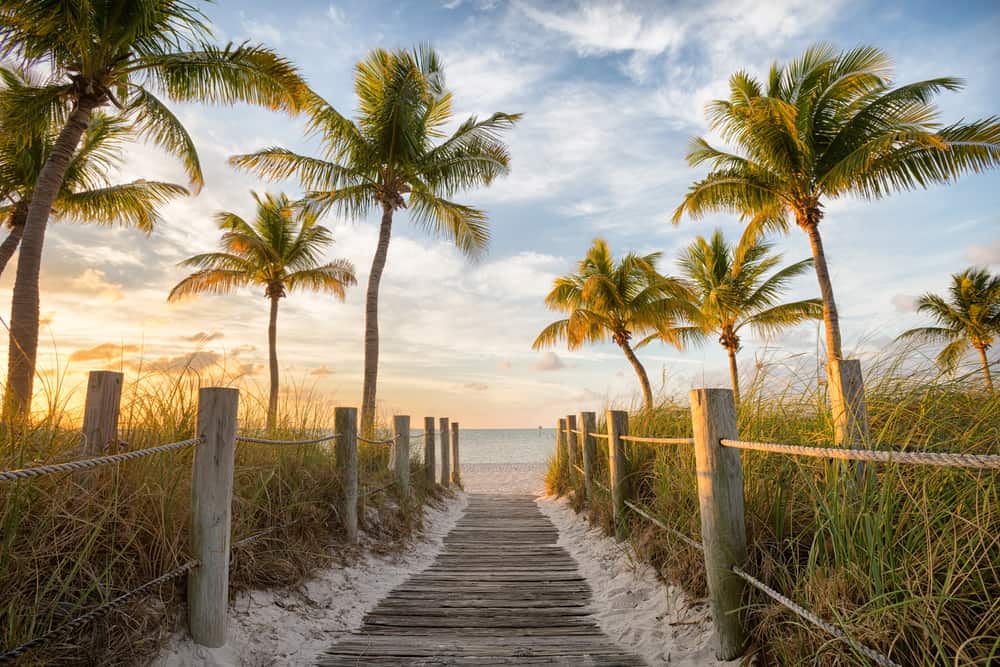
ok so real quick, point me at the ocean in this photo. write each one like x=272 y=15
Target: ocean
x=506 y=445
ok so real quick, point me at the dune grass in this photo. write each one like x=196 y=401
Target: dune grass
x=910 y=566
x=74 y=541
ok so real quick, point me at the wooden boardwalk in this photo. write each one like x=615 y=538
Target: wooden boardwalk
x=501 y=592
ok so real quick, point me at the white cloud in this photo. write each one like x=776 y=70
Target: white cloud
x=984 y=254
x=606 y=27
x=549 y=361
x=261 y=31
x=904 y=303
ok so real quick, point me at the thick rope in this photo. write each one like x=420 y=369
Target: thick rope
x=927 y=458
x=602 y=436
x=652 y=519
x=72 y=466
x=376 y=442
x=10 y=656
x=369 y=494
x=658 y=441
x=249 y=439
x=804 y=613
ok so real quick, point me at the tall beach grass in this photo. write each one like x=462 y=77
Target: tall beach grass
x=73 y=541
x=910 y=566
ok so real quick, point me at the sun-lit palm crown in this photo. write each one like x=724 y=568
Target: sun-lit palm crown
x=830 y=124
x=119 y=52
x=395 y=154
x=969 y=316
x=731 y=290
x=87 y=194
x=281 y=251
x=613 y=300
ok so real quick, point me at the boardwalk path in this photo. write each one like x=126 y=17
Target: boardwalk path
x=501 y=592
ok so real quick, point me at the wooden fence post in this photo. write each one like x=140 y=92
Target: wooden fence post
x=720 y=496
x=588 y=424
x=561 y=455
x=445 y=452
x=456 y=472
x=429 y=465
x=401 y=446
x=211 y=514
x=571 y=447
x=846 y=387
x=345 y=425
x=618 y=467
x=100 y=412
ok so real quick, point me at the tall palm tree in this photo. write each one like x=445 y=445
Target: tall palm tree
x=606 y=299
x=281 y=251
x=87 y=194
x=968 y=317
x=116 y=52
x=823 y=126
x=732 y=290
x=395 y=155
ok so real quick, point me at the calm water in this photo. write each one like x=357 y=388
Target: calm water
x=506 y=445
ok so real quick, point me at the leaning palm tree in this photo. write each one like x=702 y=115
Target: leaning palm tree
x=86 y=193
x=606 y=299
x=732 y=291
x=395 y=155
x=115 y=52
x=281 y=251
x=968 y=317
x=823 y=126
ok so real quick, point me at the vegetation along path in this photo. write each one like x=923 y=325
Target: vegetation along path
x=501 y=592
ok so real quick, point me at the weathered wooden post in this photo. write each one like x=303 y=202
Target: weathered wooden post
x=588 y=424
x=401 y=446
x=456 y=472
x=100 y=412
x=445 y=452
x=345 y=425
x=211 y=513
x=720 y=495
x=561 y=454
x=847 y=402
x=571 y=443
x=618 y=467
x=429 y=466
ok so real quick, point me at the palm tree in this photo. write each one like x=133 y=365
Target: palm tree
x=827 y=125
x=115 y=52
x=969 y=316
x=732 y=291
x=87 y=194
x=613 y=300
x=281 y=251
x=395 y=155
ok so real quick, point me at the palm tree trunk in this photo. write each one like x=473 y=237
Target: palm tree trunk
x=9 y=245
x=272 y=353
x=734 y=374
x=647 y=392
x=986 y=368
x=830 y=317
x=371 y=324
x=24 y=307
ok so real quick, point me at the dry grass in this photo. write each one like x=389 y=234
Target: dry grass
x=74 y=541
x=911 y=567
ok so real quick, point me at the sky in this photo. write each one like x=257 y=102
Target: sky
x=611 y=92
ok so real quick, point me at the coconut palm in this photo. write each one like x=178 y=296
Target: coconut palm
x=606 y=299
x=117 y=52
x=86 y=195
x=969 y=316
x=823 y=126
x=281 y=251
x=395 y=155
x=732 y=291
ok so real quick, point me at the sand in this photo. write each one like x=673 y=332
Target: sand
x=292 y=627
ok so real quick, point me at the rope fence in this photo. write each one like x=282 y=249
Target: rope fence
x=86 y=464
x=253 y=440
x=10 y=656
x=807 y=615
x=658 y=441
x=657 y=522
x=989 y=461
x=376 y=442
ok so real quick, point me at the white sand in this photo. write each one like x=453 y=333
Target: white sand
x=504 y=478
x=293 y=627
x=658 y=622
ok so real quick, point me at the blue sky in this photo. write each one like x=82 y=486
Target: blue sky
x=611 y=93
